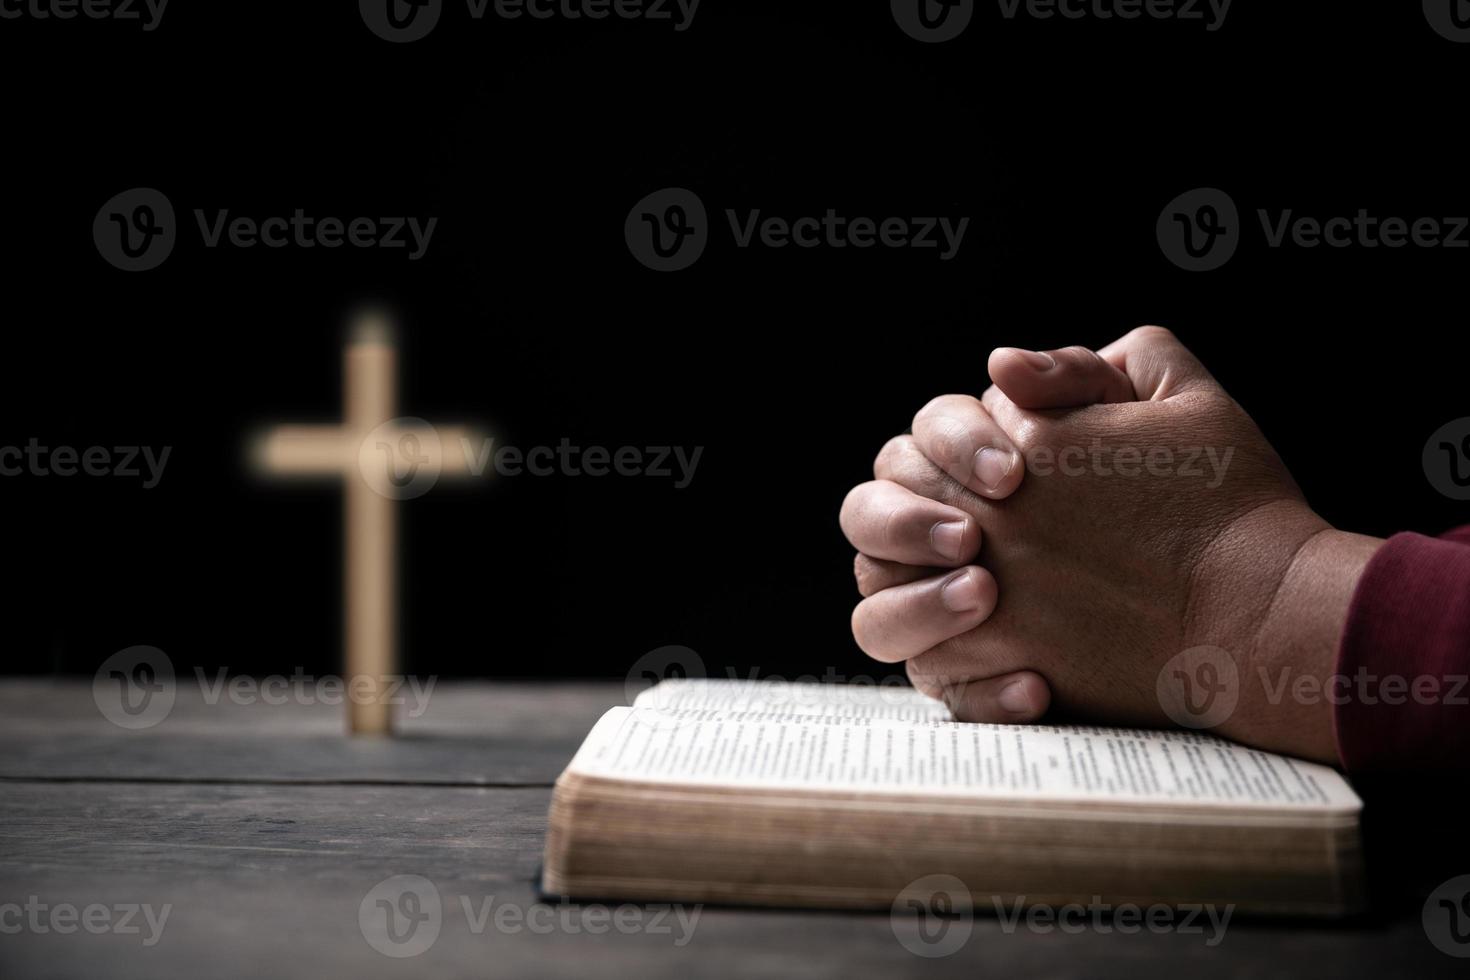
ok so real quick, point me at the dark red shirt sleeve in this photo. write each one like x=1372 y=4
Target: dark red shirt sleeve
x=1402 y=692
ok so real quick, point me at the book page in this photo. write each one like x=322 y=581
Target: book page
x=897 y=701
x=766 y=750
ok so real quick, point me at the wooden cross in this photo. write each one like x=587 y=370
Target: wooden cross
x=381 y=459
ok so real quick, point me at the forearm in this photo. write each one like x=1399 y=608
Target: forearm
x=1363 y=658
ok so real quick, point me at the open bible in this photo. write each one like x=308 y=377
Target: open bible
x=843 y=796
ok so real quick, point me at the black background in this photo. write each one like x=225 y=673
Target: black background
x=530 y=141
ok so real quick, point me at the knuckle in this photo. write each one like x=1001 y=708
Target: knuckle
x=934 y=406
x=893 y=450
x=1079 y=358
x=852 y=505
x=952 y=441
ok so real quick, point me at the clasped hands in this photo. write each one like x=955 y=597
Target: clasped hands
x=1047 y=548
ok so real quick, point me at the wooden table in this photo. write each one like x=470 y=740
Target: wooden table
x=265 y=830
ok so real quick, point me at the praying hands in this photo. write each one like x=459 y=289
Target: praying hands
x=1059 y=542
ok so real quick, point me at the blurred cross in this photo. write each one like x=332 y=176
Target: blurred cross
x=381 y=459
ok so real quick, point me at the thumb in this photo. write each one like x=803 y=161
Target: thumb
x=1147 y=364
x=1066 y=378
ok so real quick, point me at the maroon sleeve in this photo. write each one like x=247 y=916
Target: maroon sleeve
x=1402 y=692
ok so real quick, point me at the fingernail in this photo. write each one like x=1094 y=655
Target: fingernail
x=1040 y=360
x=961 y=594
x=947 y=539
x=1013 y=698
x=992 y=465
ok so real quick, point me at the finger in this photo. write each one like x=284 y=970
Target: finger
x=1156 y=363
x=887 y=521
x=874 y=574
x=1010 y=699
x=957 y=432
x=1005 y=412
x=906 y=620
x=1064 y=378
x=901 y=462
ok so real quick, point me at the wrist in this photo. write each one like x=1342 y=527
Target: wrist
x=1287 y=695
